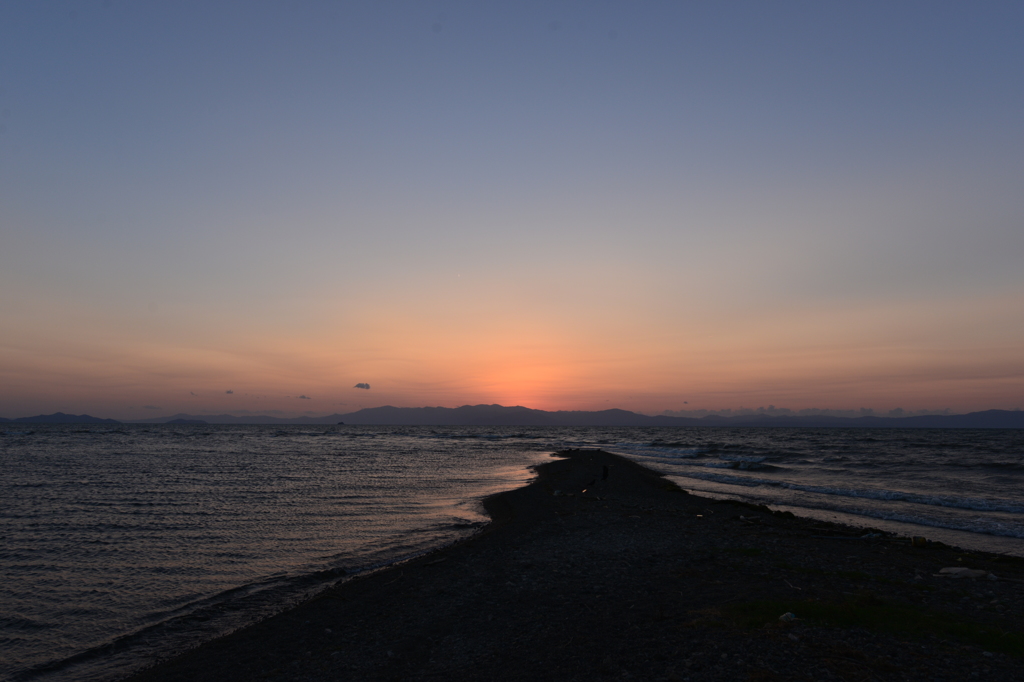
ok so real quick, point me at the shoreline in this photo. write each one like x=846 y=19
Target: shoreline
x=582 y=577
x=966 y=540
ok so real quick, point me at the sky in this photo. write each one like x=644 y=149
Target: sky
x=250 y=207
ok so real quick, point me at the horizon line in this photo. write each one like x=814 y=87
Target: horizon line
x=726 y=413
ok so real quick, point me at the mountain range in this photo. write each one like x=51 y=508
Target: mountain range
x=60 y=418
x=498 y=415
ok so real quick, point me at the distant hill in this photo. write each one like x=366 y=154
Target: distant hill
x=61 y=418
x=495 y=415
x=467 y=415
x=232 y=419
x=499 y=415
x=989 y=419
x=187 y=422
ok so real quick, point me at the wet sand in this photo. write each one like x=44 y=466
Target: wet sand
x=602 y=569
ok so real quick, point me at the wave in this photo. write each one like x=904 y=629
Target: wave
x=986 y=465
x=973 y=525
x=743 y=462
x=744 y=465
x=982 y=526
x=670 y=454
x=438 y=435
x=175 y=629
x=207 y=617
x=672 y=444
x=743 y=458
x=971 y=503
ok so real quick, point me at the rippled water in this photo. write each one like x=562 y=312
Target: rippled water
x=118 y=545
x=123 y=544
x=965 y=487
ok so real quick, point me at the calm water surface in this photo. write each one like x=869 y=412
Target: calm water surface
x=122 y=545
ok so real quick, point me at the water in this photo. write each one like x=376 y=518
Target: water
x=122 y=545
x=963 y=487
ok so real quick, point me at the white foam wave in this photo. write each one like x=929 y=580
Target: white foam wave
x=973 y=525
x=733 y=465
x=687 y=453
x=971 y=503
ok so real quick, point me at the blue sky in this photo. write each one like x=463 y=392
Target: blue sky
x=562 y=205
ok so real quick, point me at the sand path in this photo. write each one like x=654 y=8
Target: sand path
x=587 y=578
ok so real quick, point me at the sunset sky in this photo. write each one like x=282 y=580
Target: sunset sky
x=251 y=207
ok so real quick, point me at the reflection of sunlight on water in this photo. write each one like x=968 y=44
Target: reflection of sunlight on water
x=253 y=516
x=502 y=479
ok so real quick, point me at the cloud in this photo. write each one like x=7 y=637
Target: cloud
x=150 y=407
x=229 y=392
x=362 y=385
x=304 y=397
x=191 y=392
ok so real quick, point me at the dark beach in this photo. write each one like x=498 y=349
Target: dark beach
x=602 y=569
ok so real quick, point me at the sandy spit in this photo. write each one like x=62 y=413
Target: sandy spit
x=602 y=570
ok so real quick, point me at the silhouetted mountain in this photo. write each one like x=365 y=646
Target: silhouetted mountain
x=187 y=422
x=498 y=415
x=61 y=418
x=989 y=419
x=232 y=419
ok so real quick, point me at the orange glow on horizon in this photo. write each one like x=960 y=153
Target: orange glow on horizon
x=875 y=356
